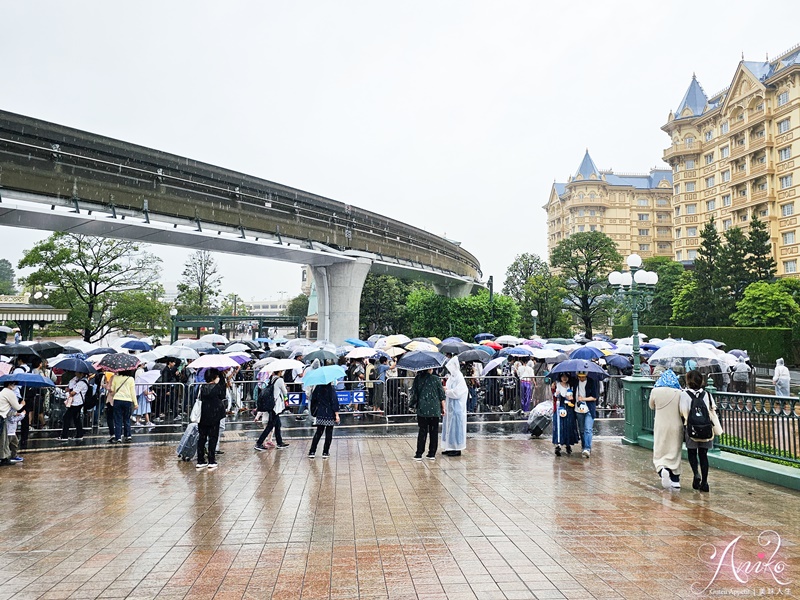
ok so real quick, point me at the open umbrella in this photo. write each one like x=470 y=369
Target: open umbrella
x=492 y=345
x=297 y=343
x=516 y=351
x=323 y=375
x=17 y=350
x=507 y=340
x=560 y=341
x=361 y=353
x=48 y=349
x=5 y=329
x=322 y=355
x=737 y=353
x=533 y=343
x=393 y=351
x=574 y=366
x=97 y=351
x=453 y=347
x=618 y=361
x=357 y=342
x=421 y=360
x=31 y=380
x=600 y=345
x=214 y=361
x=214 y=338
x=145 y=380
x=546 y=353
x=281 y=352
x=181 y=352
x=236 y=347
x=76 y=365
x=240 y=357
x=714 y=343
x=678 y=353
x=473 y=356
x=586 y=353
x=421 y=347
x=283 y=364
x=483 y=336
x=251 y=345
x=137 y=345
x=451 y=339
x=485 y=349
x=492 y=364
x=118 y=362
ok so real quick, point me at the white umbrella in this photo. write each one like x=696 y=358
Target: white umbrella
x=185 y=352
x=283 y=364
x=667 y=341
x=299 y=342
x=81 y=345
x=492 y=364
x=394 y=351
x=145 y=379
x=545 y=353
x=117 y=344
x=629 y=340
x=361 y=352
x=264 y=361
x=507 y=340
x=623 y=349
x=237 y=348
x=600 y=345
x=674 y=354
x=183 y=342
x=215 y=361
x=214 y=338
x=146 y=357
x=416 y=346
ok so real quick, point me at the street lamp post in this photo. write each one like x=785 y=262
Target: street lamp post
x=173 y=337
x=635 y=289
x=535 y=317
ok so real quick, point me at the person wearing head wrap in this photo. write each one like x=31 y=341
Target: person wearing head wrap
x=741 y=376
x=667 y=429
x=454 y=420
x=781 y=378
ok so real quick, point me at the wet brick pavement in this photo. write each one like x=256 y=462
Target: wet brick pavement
x=505 y=520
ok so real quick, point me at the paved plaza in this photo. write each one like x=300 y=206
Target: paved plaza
x=505 y=520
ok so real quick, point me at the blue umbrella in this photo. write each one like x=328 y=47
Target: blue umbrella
x=76 y=365
x=263 y=340
x=714 y=343
x=101 y=351
x=323 y=375
x=651 y=347
x=420 y=360
x=31 y=380
x=620 y=362
x=586 y=353
x=487 y=349
x=517 y=351
x=483 y=336
x=738 y=353
x=356 y=342
x=137 y=345
x=450 y=340
x=573 y=366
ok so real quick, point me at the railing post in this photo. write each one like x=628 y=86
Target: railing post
x=634 y=410
x=713 y=390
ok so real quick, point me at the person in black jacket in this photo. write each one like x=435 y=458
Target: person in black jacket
x=212 y=411
x=325 y=409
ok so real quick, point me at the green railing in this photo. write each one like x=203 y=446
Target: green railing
x=759 y=426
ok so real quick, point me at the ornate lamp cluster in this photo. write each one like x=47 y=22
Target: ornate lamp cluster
x=635 y=289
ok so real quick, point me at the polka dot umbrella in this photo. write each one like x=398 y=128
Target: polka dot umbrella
x=118 y=362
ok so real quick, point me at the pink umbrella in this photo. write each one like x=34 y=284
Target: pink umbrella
x=534 y=343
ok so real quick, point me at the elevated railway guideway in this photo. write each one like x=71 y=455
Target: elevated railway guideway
x=57 y=178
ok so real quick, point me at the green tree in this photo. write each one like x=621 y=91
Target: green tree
x=7 y=286
x=760 y=262
x=710 y=281
x=383 y=302
x=95 y=278
x=233 y=304
x=734 y=265
x=520 y=271
x=143 y=312
x=475 y=314
x=427 y=313
x=684 y=300
x=200 y=285
x=766 y=305
x=297 y=307
x=584 y=260
x=545 y=293
x=669 y=274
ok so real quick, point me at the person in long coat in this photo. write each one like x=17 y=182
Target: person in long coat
x=781 y=378
x=667 y=429
x=565 y=424
x=454 y=422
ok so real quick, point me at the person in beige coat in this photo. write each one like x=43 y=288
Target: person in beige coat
x=667 y=429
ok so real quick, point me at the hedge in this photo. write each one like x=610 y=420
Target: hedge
x=763 y=344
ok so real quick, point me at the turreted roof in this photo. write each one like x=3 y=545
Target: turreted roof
x=587 y=168
x=695 y=100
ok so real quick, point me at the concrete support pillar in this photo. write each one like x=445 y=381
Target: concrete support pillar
x=339 y=298
x=453 y=290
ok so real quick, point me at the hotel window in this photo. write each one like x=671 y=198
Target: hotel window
x=783 y=126
x=592 y=213
x=785 y=181
x=689 y=141
x=711 y=205
x=727 y=224
x=644 y=247
x=662 y=202
x=790 y=266
x=580 y=227
x=691 y=209
x=677 y=167
x=679 y=255
x=592 y=196
x=690 y=186
x=709 y=182
x=592 y=227
x=644 y=217
x=644 y=232
x=725 y=151
x=783 y=98
x=709 y=158
x=690 y=163
x=677 y=188
x=787 y=210
x=723 y=129
x=743 y=217
x=677 y=211
x=678 y=233
x=788 y=238
x=785 y=153
x=726 y=176
x=709 y=135
x=691 y=232
x=581 y=212
x=642 y=202
x=691 y=254
x=726 y=200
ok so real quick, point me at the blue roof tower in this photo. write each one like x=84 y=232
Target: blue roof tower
x=695 y=100
x=587 y=170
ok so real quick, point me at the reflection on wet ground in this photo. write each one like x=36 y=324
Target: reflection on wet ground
x=505 y=520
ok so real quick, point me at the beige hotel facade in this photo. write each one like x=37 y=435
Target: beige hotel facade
x=732 y=155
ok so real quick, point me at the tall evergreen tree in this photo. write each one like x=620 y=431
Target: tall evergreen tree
x=708 y=277
x=7 y=278
x=761 y=264
x=735 y=271
x=669 y=273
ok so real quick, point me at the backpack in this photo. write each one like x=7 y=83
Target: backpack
x=265 y=402
x=90 y=397
x=698 y=423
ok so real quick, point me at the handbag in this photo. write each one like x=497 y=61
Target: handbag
x=562 y=412
x=582 y=408
x=197 y=409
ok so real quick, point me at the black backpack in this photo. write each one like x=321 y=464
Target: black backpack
x=698 y=423
x=265 y=402
x=90 y=398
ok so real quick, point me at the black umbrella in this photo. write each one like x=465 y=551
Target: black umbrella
x=474 y=356
x=76 y=365
x=322 y=355
x=421 y=360
x=118 y=362
x=48 y=349
x=101 y=351
x=71 y=350
x=280 y=353
x=453 y=347
x=17 y=350
x=249 y=343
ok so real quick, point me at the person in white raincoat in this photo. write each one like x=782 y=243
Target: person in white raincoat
x=454 y=423
x=781 y=378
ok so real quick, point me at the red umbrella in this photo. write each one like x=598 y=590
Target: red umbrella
x=118 y=362
x=492 y=345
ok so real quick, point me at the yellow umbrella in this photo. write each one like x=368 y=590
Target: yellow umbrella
x=395 y=340
x=435 y=340
x=394 y=351
x=417 y=346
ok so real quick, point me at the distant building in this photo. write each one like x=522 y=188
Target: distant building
x=266 y=308
x=633 y=210
x=733 y=156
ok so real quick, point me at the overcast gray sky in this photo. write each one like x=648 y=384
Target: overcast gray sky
x=453 y=116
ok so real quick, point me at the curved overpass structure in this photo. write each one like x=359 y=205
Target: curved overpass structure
x=62 y=179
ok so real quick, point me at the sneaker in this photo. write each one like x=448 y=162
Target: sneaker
x=284 y=445
x=429 y=457
x=111 y=440
x=417 y=458
x=558 y=450
x=586 y=453
x=128 y=440
x=63 y=439
x=220 y=452
x=259 y=448
x=16 y=459
x=675 y=485
x=665 y=481
x=310 y=455
x=201 y=465
x=325 y=456
x=212 y=466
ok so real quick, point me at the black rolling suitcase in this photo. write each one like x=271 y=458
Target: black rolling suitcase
x=537 y=426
